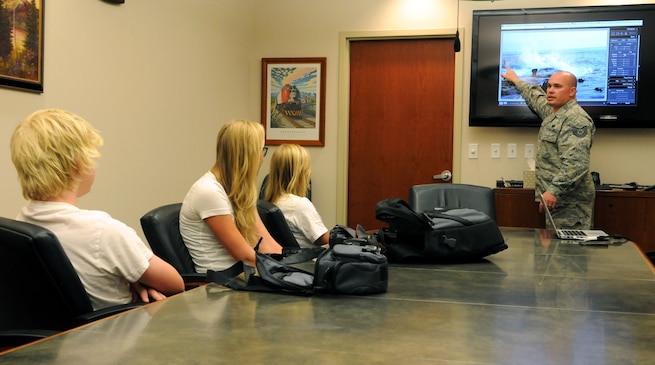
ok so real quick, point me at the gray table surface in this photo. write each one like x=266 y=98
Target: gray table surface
x=541 y=301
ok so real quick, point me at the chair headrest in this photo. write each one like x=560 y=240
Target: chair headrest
x=276 y=224
x=161 y=226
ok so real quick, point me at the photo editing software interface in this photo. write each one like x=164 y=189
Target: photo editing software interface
x=604 y=56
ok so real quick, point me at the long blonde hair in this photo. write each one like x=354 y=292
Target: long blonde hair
x=48 y=147
x=238 y=151
x=289 y=173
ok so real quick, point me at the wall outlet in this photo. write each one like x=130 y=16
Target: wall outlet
x=529 y=150
x=495 y=150
x=473 y=150
x=511 y=150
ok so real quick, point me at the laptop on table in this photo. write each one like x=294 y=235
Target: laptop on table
x=573 y=234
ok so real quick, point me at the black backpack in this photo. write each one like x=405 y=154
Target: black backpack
x=400 y=217
x=453 y=235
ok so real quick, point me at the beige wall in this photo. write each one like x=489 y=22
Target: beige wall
x=158 y=77
x=321 y=27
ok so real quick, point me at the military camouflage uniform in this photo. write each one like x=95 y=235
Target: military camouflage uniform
x=562 y=160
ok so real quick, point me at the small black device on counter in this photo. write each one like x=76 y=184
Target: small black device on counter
x=509 y=183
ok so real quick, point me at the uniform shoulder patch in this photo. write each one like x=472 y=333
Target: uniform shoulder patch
x=579 y=132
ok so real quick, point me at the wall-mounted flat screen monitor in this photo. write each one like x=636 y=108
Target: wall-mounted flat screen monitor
x=610 y=50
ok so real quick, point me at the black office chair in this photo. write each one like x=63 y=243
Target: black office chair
x=448 y=196
x=161 y=226
x=651 y=257
x=276 y=224
x=41 y=291
x=262 y=190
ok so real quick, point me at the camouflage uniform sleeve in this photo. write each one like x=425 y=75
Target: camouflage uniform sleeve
x=535 y=97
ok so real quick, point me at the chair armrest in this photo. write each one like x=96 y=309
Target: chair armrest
x=105 y=312
x=13 y=338
x=194 y=280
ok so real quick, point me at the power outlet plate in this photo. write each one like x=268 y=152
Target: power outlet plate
x=473 y=150
x=529 y=150
x=495 y=150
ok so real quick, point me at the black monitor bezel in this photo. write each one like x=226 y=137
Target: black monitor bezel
x=485 y=73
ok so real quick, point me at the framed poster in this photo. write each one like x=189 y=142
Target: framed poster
x=293 y=100
x=21 y=52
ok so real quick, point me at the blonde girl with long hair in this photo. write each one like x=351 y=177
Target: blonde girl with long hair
x=288 y=180
x=219 y=222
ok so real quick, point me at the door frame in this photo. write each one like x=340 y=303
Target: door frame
x=343 y=121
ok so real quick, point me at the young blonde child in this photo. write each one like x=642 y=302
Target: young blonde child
x=288 y=180
x=54 y=152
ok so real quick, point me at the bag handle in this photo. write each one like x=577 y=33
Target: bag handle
x=435 y=214
x=229 y=276
x=298 y=255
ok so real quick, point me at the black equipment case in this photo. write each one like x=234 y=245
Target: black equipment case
x=461 y=234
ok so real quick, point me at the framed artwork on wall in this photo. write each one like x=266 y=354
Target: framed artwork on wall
x=21 y=45
x=293 y=100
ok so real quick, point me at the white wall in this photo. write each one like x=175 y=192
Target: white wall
x=158 y=78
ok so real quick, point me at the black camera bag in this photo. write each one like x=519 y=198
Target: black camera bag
x=355 y=266
x=351 y=268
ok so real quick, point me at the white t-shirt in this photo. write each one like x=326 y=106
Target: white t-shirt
x=106 y=253
x=206 y=198
x=303 y=219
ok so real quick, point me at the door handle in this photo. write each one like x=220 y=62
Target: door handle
x=444 y=176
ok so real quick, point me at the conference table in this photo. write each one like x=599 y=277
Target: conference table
x=541 y=301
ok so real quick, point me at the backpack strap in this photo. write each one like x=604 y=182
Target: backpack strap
x=435 y=214
x=229 y=278
x=262 y=282
x=226 y=277
x=298 y=255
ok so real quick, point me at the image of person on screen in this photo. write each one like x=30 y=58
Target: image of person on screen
x=563 y=149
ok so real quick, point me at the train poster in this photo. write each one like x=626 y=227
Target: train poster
x=293 y=100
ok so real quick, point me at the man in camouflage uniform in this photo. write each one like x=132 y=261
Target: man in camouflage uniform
x=563 y=149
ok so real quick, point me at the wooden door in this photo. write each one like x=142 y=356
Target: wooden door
x=400 y=119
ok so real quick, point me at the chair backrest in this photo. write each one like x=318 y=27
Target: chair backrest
x=161 y=226
x=276 y=224
x=262 y=190
x=40 y=288
x=448 y=196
